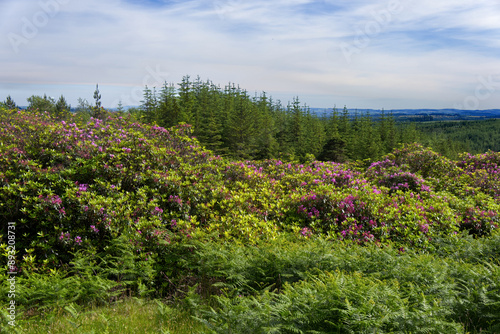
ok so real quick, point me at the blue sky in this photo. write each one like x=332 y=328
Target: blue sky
x=360 y=53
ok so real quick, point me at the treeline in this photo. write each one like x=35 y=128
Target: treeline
x=231 y=122
x=59 y=108
x=453 y=137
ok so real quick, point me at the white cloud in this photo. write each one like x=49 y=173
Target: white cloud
x=424 y=51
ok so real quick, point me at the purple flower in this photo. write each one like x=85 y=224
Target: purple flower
x=306 y=232
x=424 y=228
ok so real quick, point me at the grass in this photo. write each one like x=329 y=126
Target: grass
x=129 y=315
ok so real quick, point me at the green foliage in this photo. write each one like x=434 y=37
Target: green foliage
x=128 y=316
x=62 y=109
x=304 y=285
x=112 y=206
x=455 y=137
x=9 y=103
x=229 y=122
x=41 y=104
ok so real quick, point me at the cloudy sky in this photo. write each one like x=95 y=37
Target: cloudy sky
x=360 y=53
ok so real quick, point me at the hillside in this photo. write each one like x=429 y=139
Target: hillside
x=137 y=202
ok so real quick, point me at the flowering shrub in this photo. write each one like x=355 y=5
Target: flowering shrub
x=386 y=173
x=71 y=185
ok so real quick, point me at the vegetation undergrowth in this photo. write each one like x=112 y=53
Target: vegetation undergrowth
x=111 y=208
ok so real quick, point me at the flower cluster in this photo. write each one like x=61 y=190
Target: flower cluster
x=110 y=177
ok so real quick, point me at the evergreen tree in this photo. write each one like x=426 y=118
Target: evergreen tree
x=10 y=104
x=333 y=150
x=97 y=111
x=353 y=140
x=332 y=127
x=120 y=110
x=242 y=125
x=186 y=101
x=168 y=106
x=266 y=142
x=409 y=133
x=149 y=106
x=62 y=108
x=209 y=129
x=315 y=136
x=370 y=145
x=296 y=134
x=387 y=132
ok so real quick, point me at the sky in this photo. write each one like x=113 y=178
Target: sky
x=391 y=54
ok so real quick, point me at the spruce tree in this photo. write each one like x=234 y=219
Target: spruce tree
x=186 y=101
x=208 y=110
x=10 y=104
x=168 y=107
x=332 y=128
x=333 y=150
x=97 y=111
x=266 y=142
x=120 y=110
x=149 y=106
x=242 y=126
x=62 y=108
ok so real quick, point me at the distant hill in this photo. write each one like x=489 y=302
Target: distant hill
x=420 y=115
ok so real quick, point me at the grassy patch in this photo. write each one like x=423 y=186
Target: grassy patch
x=129 y=315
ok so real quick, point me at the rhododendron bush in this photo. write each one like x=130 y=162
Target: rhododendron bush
x=69 y=186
